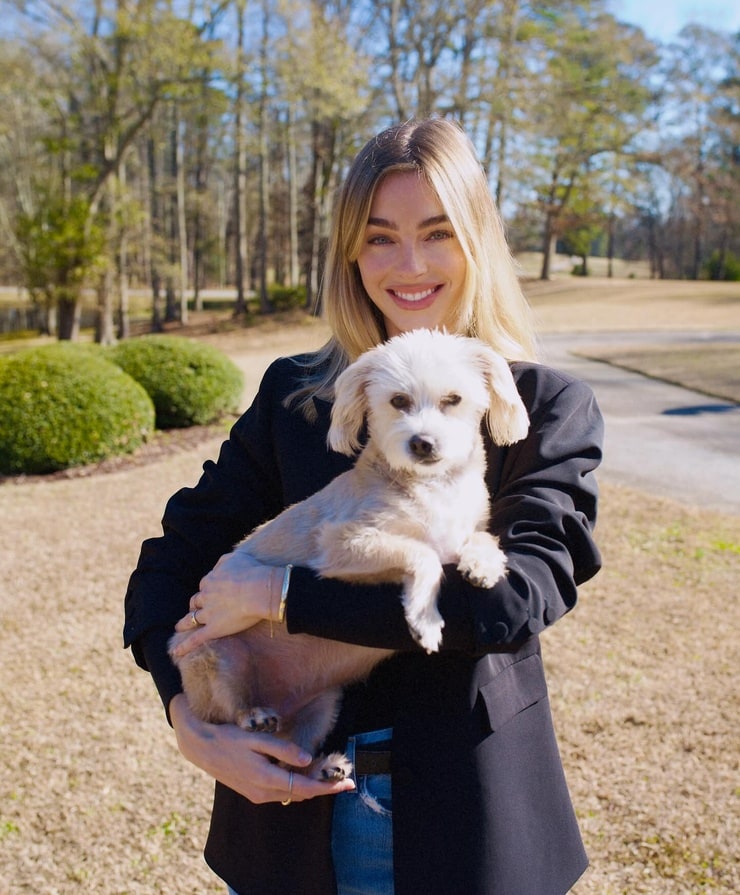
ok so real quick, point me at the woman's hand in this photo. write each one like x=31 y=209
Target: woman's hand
x=236 y=594
x=245 y=761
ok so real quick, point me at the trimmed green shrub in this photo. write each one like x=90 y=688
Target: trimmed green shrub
x=65 y=405
x=191 y=384
x=723 y=268
x=285 y=298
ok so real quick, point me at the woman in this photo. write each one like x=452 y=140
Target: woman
x=459 y=784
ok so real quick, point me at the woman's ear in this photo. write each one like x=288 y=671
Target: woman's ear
x=508 y=420
x=349 y=408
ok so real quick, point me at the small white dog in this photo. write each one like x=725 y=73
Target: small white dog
x=415 y=499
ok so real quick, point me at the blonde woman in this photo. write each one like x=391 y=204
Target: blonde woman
x=459 y=786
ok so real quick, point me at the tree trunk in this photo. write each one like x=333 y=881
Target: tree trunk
x=323 y=146
x=124 y=323
x=182 y=236
x=311 y=193
x=151 y=265
x=502 y=92
x=104 y=330
x=697 y=249
x=395 y=54
x=200 y=188
x=295 y=270
x=157 y=317
x=170 y=300
x=548 y=245
x=69 y=310
x=240 y=173
x=124 y=320
x=264 y=168
x=611 y=224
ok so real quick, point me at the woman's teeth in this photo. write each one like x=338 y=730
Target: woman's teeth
x=413 y=296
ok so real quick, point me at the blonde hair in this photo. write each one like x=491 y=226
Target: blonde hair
x=493 y=307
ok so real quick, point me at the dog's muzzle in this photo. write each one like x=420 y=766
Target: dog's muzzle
x=423 y=449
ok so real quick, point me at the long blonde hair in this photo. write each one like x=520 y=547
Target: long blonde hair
x=492 y=307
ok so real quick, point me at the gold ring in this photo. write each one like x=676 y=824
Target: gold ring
x=194 y=618
x=290 y=791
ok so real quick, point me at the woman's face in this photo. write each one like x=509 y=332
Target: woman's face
x=411 y=263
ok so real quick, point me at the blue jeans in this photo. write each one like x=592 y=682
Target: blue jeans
x=362 y=830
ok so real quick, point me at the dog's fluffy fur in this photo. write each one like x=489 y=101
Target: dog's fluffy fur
x=414 y=500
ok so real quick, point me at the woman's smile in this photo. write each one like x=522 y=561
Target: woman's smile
x=414 y=298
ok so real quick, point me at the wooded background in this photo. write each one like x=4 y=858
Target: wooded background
x=184 y=146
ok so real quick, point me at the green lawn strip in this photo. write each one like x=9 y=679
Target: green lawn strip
x=712 y=369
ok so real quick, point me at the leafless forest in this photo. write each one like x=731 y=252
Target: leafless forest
x=184 y=147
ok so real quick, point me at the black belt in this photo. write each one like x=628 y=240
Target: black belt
x=373 y=760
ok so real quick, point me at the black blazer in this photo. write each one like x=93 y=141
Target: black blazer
x=480 y=803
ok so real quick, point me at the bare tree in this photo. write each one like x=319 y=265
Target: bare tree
x=240 y=166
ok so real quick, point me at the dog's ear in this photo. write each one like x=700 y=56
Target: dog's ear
x=349 y=408
x=508 y=420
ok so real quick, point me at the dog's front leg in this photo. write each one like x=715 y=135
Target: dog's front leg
x=420 y=589
x=482 y=561
x=354 y=551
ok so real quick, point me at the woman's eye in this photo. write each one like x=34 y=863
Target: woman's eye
x=451 y=400
x=378 y=241
x=400 y=402
x=440 y=234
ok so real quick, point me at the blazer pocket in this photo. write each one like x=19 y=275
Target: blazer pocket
x=514 y=689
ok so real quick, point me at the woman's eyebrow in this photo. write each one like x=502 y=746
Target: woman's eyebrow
x=391 y=225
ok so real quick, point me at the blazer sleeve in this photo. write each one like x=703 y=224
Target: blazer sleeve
x=543 y=509
x=200 y=524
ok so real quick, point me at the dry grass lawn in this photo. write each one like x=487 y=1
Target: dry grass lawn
x=575 y=304
x=713 y=369
x=95 y=798
x=571 y=304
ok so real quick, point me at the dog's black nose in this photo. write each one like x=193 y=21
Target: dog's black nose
x=421 y=447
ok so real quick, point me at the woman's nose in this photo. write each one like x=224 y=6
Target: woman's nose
x=411 y=259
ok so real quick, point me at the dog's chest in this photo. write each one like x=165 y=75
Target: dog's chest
x=446 y=513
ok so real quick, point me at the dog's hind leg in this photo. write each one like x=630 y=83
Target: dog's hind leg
x=311 y=725
x=217 y=679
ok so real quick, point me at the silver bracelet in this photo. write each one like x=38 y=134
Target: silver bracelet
x=284 y=593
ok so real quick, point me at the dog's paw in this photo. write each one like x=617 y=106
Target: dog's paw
x=426 y=630
x=481 y=576
x=331 y=768
x=258 y=720
x=482 y=563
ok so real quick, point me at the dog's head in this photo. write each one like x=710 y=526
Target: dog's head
x=423 y=395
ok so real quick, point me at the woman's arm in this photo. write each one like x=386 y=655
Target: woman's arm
x=243 y=488
x=200 y=524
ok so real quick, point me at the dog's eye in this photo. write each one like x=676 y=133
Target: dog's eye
x=401 y=402
x=451 y=400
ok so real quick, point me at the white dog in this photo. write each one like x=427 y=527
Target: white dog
x=415 y=499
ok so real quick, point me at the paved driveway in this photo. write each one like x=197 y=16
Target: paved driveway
x=659 y=438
